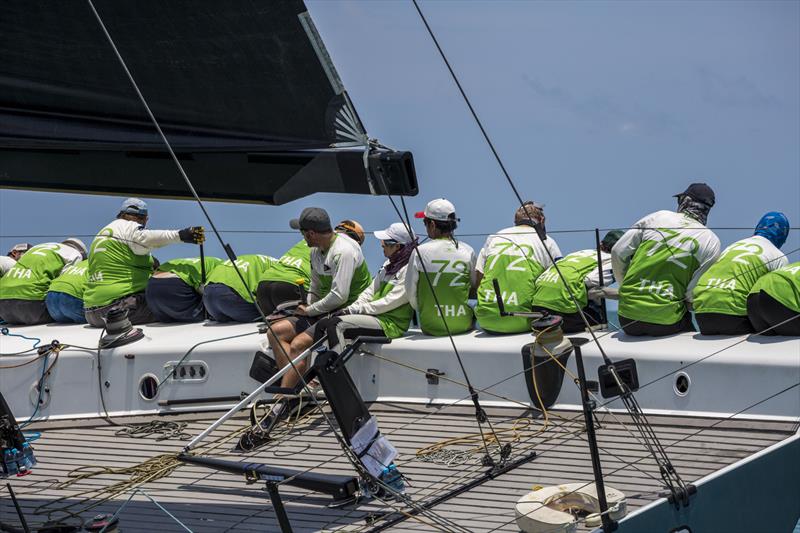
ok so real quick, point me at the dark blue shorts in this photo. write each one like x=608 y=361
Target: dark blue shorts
x=225 y=305
x=173 y=300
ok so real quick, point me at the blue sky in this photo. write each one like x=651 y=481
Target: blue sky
x=601 y=110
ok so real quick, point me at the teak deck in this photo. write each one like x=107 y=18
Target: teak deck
x=207 y=500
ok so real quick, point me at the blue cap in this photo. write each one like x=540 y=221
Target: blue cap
x=134 y=206
x=774 y=226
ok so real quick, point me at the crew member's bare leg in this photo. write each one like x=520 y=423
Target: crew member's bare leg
x=300 y=344
x=280 y=340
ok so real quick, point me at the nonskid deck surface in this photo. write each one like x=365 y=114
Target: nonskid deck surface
x=207 y=500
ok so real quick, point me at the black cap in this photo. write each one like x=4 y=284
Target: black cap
x=312 y=218
x=699 y=192
x=611 y=238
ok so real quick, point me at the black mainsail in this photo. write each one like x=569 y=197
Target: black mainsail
x=244 y=91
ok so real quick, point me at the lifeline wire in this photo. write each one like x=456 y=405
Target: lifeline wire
x=289 y=232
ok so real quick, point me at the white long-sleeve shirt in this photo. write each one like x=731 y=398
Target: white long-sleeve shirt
x=365 y=305
x=340 y=263
x=141 y=241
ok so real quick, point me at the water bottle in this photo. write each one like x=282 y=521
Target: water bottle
x=22 y=467
x=392 y=478
x=27 y=456
x=10 y=461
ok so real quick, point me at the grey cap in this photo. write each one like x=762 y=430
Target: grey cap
x=312 y=218
x=134 y=206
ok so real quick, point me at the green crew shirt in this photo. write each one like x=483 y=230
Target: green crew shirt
x=551 y=291
x=72 y=280
x=386 y=300
x=667 y=250
x=114 y=270
x=724 y=287
x=783 y=285
x=450 y=274
x=253 y=268
x=188 y=270
x=30 y=278
x=396 y=322
x=292 y=267
x=515 y=257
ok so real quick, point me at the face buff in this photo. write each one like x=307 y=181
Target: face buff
x=400 y=258
x=697 y=210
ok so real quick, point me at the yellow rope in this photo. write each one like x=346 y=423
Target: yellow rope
x=515 y=430
x=152 y=469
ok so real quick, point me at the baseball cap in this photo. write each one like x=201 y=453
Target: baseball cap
x=134 y=206
x=77 y=244
x=312 y=218
x=397 y=232
x=612 y=237
x=699 y=192
x=20 y=247
x=439 y=209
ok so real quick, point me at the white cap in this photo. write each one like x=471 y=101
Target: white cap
x=439 y=209
x=21 y=247
x=77 y=244
x=396 y=232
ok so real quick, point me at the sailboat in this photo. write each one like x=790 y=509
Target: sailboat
x=132 y=436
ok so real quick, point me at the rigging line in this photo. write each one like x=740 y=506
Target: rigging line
x=510 y=400
x=214 y=229
x=508 y=176
x=687 y=365
x=469 y=105
x=480 y=414
x=678 y=441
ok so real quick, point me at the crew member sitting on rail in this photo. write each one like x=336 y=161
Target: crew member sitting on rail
x=175 y=292
x=7 y=262
x=382 y=309
x=580 y=271
x=64 y=298
x=24 y=288
x=226 y=298
x=773 y=305
x=515 y=257
x=338 y=275
x=659 y=261
x=287 y=280
x=439 y=284
x=720 y=297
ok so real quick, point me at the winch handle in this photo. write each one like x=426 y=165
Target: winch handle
x=502 y=308
x=500 y=305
